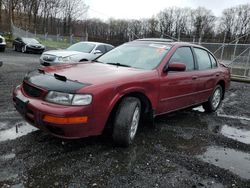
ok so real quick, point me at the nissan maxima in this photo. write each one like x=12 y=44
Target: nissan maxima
x=137 y=80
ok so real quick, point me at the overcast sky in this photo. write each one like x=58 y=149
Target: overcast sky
x=136 y=9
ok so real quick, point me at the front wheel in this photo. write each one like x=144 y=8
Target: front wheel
x=23 y=49
x=214 y=100
x=126 y=121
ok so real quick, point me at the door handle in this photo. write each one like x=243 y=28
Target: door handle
x=217 y=74
x=194 y=77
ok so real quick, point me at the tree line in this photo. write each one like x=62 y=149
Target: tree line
x=66 y=17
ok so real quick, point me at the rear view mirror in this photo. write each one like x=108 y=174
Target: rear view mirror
x=175 y=66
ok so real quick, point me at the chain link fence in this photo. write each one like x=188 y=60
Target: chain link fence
x=64 y=40
x=236 y=56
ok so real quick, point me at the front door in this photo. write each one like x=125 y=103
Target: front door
x=177 y=89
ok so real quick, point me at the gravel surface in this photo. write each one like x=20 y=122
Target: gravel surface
x=188 y=148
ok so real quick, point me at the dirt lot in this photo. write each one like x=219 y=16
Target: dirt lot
x=185 y=149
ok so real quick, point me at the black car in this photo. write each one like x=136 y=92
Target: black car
x=28 y=45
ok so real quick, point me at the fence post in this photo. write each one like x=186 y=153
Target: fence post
x=71 y=39
x=248 y=59
x=45 y=36
x=235 y=47
x=223 y=46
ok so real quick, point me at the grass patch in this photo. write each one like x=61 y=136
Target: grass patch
x=55 y=44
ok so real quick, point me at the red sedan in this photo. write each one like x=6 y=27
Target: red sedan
x=146 y=77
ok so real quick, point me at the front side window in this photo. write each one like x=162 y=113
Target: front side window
x=203 y=59
x=142 y=56
x=183 y=55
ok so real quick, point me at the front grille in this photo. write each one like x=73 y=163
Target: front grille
x=1 y=40
x=33 y=46
x=31 y=90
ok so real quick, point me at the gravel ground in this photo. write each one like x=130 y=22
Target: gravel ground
x=188 y=148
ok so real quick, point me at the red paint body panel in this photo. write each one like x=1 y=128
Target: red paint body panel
x=166 y=91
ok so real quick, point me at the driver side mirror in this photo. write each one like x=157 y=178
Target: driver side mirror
x=97 y=52
x=175 y=66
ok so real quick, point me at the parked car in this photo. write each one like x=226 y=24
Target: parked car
x=142 y=78
x=2 y=44
x=81 y=51
x=27 y=45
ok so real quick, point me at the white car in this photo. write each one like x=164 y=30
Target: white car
x=79 y=52
x=2 y=44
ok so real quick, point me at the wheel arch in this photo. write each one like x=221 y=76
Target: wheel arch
x=84 y=59
x=145 y=104
x=222 y=84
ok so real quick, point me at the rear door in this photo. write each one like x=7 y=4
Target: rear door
x=207 y=74
x=177 y=89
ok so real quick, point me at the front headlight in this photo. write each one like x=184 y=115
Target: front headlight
x=68 y=99
x=64 y=59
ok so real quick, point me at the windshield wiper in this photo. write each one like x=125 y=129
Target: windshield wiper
x=96 y=61
x=119 y=64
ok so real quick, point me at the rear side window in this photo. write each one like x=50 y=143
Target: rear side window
x=203 y=59
x=213 y=61
x=183 y=55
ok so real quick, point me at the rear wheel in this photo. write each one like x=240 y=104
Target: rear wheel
x=214 y=100
x=126 y=121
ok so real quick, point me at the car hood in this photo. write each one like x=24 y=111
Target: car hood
x=63 y=53
x=96 y=73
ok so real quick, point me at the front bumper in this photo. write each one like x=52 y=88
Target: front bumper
x=2 y=45
x=34 y=110
x=34 y=50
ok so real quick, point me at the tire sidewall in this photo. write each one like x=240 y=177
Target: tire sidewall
x=123 y=121
x=214 y=108
x=23 y=49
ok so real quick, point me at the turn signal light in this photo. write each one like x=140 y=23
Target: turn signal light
x=65 y=120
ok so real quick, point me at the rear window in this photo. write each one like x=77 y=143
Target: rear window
x=202 y=59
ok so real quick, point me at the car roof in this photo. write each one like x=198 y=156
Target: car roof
x=96 y=43
x=168 y=42
x=155 y=40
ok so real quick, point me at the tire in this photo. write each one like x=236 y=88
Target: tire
x=214 y=100
x=126 y=121
x=2 y=49
x=23 y=49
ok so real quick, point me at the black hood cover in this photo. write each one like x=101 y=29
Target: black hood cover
x=52 y=82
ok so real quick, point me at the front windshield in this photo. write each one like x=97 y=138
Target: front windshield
x=82 y=47
x=30 y=41
x=142 y=56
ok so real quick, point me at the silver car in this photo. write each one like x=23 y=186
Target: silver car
x=81 y=51
x=2 y=44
